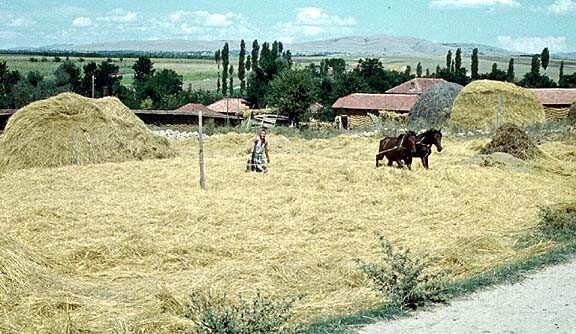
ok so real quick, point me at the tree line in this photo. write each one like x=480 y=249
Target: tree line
x=267 y=77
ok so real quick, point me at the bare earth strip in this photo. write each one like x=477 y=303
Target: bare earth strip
x=545 y=302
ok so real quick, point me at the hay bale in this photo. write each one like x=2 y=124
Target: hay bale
x=434 y=106
x=510 y=139
x=476 y=105
x=571 y=117
x=71 y=129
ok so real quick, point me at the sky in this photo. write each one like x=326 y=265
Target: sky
x=516 y=25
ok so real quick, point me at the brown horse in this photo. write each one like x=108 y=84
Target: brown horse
x=397 y=149
x=424 y=142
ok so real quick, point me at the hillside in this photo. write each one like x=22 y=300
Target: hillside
x=379 y=45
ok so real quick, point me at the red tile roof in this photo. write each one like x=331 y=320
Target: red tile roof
x=555 y=96
x=229 y=105
x=391 y=102
x=197 y=107
x=414 y=86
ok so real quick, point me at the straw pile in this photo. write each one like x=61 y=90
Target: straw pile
x=477 y=104
x=434 y=107
x=70 y=129
x=510 y=139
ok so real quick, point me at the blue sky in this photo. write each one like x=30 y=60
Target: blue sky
x=519 y=25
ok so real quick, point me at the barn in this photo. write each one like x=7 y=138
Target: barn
x=352 y=110
x=556 y=101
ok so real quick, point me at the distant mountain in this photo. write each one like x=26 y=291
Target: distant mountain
x=380 y=45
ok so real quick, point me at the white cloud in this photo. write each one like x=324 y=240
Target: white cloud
x=448 y=4
x=204 y=25
x=119 y=15
x=82 y=22
x=316 y=17
x=21 y=22
x=532 y=44
x=562 y=7
x=314 y=22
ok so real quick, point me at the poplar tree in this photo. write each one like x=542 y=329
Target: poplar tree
x=225 y=63
x=231 y=88
x=255 y=53
x=458 y=60
x=561 y=83
x=217 y=59
x=510 y=72
x=474 y=65
x=419 y=70
x=545 y=58
x=242 y=67
x=449 y=59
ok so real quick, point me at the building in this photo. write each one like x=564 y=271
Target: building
x=415 y=86
x=186 y=114
x=352 y=110
x=230 y=106
x=556 y=101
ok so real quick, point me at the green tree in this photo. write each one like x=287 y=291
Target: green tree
x=534 y=79
x=242 y=67
x=143 y=69
x=510 y=73
x=408 y=70
x=218 y=59
x=34 y=78
x=292 y=92
x=69 y=75
x=458 y=61
x=474 y=65
x=225 y=63
x=545 y=58
x=449 y=59
x=561 y=82
x=231 y=87
x=254 y=54
x=248 y=63
x=89 y=72
x=419 y=70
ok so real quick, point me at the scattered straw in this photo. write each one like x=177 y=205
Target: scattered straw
x=129 y=241
x=509 y=138
x=73 y=130
x=477 y=104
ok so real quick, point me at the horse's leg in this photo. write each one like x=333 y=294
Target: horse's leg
x=390 y=161
x=379 y=157
x=408 y=162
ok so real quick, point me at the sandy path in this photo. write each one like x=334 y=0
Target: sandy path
x=545 y=302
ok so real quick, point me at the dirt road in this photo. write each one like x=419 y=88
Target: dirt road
x=544 y=302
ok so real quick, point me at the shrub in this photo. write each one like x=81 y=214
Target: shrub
x=558 y=224
x=406 y=280
x=217 y=314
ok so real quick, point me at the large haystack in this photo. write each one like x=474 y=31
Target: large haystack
x=70 y=129
x=477 y=104
x=433 y=108
x=510 y=139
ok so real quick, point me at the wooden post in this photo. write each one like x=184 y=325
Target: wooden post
x=201 y=141
x=498 y=112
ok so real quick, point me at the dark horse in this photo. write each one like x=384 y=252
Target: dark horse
x=397 y=149
x=424 y=144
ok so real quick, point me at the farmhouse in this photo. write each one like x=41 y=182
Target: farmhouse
x=234 y=106
x=556 y=101
x=415 y=86
x=352 y=110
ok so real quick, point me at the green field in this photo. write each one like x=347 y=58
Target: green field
x=203 y=73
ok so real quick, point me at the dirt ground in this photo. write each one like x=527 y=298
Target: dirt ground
x=545 y=302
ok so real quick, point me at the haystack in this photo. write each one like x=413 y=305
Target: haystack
x=434 y=107
x=572 y=114
x=510 y=139
x=477 y=104
x=71 y=129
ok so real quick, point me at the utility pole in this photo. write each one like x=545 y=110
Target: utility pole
x=92 y=86
x=201 y=155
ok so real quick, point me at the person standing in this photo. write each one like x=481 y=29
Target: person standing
x=256 y=162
